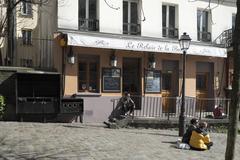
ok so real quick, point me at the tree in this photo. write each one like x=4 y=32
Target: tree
x=234 y=107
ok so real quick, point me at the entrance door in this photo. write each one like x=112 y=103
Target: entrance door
x=132 y=79
x=170 y=85
x=204 y=86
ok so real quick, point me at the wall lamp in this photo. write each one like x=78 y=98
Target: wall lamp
x=151 y=61
x=113 y=59
x=71 y=56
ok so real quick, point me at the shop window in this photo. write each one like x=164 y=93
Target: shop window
x=27 y=37
x=88 y=71
x=88 y=15
x=203 y=26
x=131 y=23
x=169 y=21
x=26 y=8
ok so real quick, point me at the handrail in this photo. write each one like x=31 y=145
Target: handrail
x=170 y=32
x=88 y=24
x=131 y=28
x=224 y=39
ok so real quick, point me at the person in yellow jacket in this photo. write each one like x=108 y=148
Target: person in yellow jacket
x=200 y=139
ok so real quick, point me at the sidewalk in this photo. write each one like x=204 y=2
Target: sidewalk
x=94 y=142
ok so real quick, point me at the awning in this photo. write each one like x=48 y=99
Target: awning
x=141 y=44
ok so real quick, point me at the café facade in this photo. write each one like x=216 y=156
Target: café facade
x=101 y=67
x=104 y=48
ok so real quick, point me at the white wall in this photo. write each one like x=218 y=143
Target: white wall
x=110 y=20
x=152 y=26
x=68 y=14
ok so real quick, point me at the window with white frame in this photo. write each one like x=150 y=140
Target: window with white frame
x=203 y=27
x=131 y=18
x=88 y=15
x=169 y=21
x=27 y=37
x=26 y=8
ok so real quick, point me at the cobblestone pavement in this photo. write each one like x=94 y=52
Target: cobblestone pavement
x=94 y=142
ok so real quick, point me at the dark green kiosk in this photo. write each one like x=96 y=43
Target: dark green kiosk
x=34 y=95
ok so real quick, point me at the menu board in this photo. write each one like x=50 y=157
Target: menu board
x=111 y=78
x=152 y=81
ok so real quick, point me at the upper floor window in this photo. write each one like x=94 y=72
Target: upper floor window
x=26 y=8
x=131 y=18
x=203 y=27
x=169 y=21
x=88 y=15
x=27 y=37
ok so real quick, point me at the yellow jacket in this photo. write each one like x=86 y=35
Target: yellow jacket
x=199 y=139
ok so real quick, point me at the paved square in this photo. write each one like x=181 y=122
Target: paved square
x=94 y=142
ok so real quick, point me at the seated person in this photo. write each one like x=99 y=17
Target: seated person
x=218 y=112
x=193 y=125
x=200 y=139
x=127 y=103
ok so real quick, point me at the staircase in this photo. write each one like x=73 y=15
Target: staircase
x=224 y=39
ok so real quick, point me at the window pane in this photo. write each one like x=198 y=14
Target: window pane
x=125 y=12
x=93 y=67
x=198 y=20
x=164 y=15
x=171 y=17
x=164 y=20
x=92 y=9
x=82 y=71
x=134 y=13
x=205 y=21
x=82 y=9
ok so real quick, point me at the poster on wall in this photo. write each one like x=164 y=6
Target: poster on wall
x=111 y=78
x=152 y=81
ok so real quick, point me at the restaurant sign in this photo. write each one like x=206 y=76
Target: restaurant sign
x=142 y=45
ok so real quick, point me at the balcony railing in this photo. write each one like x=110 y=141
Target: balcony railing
x=204 y=36
x=224 y=39
x=170 y=32
x=131 y=28
x=88 y=24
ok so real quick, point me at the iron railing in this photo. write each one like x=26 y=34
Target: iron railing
x=131 y=28
x=204 y=36
x=170 y=107
x=88 y=24
x=224 y=39
x=170 y=32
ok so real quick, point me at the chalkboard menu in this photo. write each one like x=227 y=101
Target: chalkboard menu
x=111 y=78
x=152 y=81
